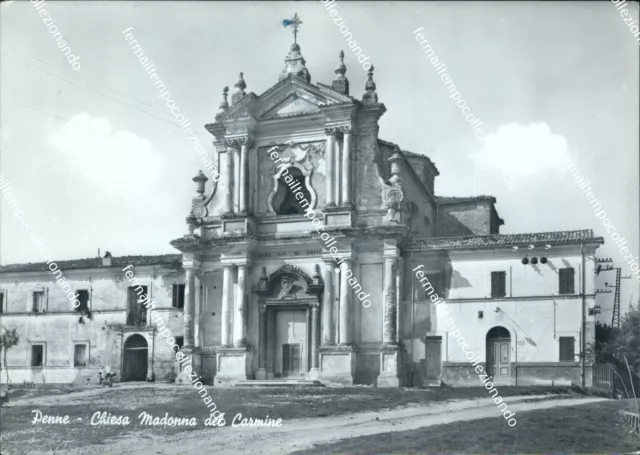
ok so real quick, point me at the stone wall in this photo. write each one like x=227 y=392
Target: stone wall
x=465 y=218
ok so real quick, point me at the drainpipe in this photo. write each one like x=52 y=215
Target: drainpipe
x=412 y=326
x=583 y=335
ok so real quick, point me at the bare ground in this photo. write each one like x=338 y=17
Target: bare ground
x=300 y=434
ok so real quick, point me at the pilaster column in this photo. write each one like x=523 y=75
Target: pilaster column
x=244 y=171
x=227 y=293
x=197 y=312
x=262 y=352
x=399 y=296
x=190 y=299
x=336 y=171
x=271 y=354
x=228 y=203
x=314 y=336
x=328 y=329
x=237 y=179
x=239 y=322
x=329 y=160
x=390 y=301
x=346 y=166
x=345 y=303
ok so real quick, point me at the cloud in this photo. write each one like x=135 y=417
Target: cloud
x=116 y=161
x=523 y=150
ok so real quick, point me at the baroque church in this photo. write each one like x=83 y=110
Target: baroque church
x=256 y=293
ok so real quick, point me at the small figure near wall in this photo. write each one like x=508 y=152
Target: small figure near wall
x=106 y=379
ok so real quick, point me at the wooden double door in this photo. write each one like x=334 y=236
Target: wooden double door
x=291 y=360
x=498 y=360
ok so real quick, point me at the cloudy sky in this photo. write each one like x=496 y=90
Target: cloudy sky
x=96 y=160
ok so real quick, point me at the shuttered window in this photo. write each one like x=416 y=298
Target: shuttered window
x=566 y=277
x=498 y=286
x=567 y=349
x=177 y=300
x=80 y=355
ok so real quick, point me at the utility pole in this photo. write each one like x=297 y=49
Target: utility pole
x=615 y=319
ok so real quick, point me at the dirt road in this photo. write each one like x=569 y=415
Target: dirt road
x=303 y=433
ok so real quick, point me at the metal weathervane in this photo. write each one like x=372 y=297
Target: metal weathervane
x=295 y=22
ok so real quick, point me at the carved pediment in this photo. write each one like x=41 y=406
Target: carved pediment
x=293 y=97
x=294 y=105
x=288 y=282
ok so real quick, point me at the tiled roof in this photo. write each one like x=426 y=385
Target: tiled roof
x=506 y=240
x=453 y=200
x=410 y=154
x=172 y=260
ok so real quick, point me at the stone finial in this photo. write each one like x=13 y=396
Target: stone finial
x=317 y=277
x=262 y=284
x=395 y=160
x=341 y=83
x=191 y=224
x=370 y=96
x=239 y=93
x=200 y=180
x=224 y=104
x=294 y=64
x=341 y=68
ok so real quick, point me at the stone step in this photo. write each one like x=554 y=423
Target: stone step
x=278 y=383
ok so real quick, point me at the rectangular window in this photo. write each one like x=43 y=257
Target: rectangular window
x=136 y=310
x=566 y=277
x=498 y=286
x=178 y=296
x=566 y=349
x=38 y=301
x=37 y=355
x=2 y=302
x=180 y=342
x=83 y=298
x=80 y=355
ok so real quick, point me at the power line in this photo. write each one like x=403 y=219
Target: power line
x=88 y=81
x=101 y=94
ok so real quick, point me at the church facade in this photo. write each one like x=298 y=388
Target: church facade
x=292 y=285
x=317 y=256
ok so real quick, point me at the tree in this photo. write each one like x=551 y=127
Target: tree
x=8 y=339
x=626 y=343
x=622 y=349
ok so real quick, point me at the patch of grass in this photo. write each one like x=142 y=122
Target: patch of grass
x=589 y=428
x=17 y=392
x=183 y=401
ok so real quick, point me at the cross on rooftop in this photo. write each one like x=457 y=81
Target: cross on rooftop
x=296 y=23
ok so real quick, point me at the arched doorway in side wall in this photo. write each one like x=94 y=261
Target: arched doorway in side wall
x=499 y=355
x=134 y=364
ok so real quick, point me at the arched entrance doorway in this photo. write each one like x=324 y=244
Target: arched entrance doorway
x=134 y=365
x=499 y=355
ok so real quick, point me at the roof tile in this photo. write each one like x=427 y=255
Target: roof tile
x=173 y=260
x=505 y=240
